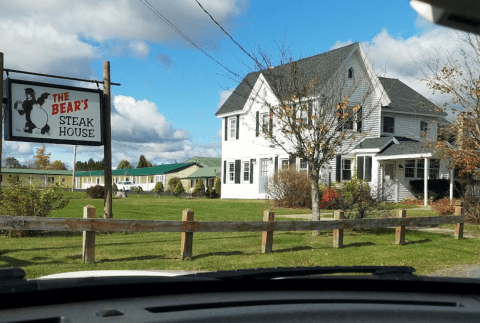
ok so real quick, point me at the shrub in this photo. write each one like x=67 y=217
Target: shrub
x=328 y=199
x=179 y=189
x=443 y=206
x=437 y=188
x=158 y=189
x=172 y=184
x=22 y=199
x=209 y=191
x=199 y=189
x=217 y=187
x=114 y=188
x=96 y=192
x=137 y=189
x=290 y=188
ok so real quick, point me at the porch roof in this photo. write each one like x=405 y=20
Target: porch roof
x=405 y=149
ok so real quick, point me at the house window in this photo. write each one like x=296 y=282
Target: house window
x=233 y=128
x=423 y=128
x=303 y=164
x=265 y=122
x=410 y=168
x=231 y=172
x=350 y=73
x=346 y=169
x=347 y=121
x=246 y=171
x=284 y=163
x=420 y=168
x=388 y=124
x=193 y=182
x=364 y=168
x=359 y=120
x=98 y=180
x=434 y=169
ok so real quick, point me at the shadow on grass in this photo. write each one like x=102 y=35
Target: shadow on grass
x=418 y=241
x=14 y=262
x=358 y=244
x=130 y=259
x=220 y=253
x=293 y=249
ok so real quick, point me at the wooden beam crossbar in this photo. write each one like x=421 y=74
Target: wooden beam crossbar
x=114 y=225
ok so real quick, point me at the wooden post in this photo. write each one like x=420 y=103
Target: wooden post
x=338 y=233
x=400 y=230
x=267 y=236
x=2 y=112
x=107 y=145
x=458 y=226
x=187 y=237
x=88 y=255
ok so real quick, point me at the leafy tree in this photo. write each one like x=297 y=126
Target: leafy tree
x=42 y=159
x=217 y=187
x=57 y=165
x=12 y=162
x=172 y=183
x=143 y=163
x=124 y=164
x=158 y=189
x=179 y=189
x=199 y=189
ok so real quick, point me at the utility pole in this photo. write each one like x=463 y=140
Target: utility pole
x=107 y=147
x=74 y=162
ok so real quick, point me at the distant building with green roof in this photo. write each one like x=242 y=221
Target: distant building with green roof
x=143 y=177
x=38 y=176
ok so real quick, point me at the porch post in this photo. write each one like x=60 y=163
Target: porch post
x=451 y=184
x=425 y=182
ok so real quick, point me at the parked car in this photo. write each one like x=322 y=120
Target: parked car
x=125 y=186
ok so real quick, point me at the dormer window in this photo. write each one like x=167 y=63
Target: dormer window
x=350 y=73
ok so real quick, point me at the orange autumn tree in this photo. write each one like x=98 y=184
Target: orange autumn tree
x=457 y=75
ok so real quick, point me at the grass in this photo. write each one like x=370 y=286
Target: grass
x=61 y=252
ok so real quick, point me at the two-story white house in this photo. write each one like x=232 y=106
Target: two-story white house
x=389 y=146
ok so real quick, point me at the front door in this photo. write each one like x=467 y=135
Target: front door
x=263 y=177
x=390 y=182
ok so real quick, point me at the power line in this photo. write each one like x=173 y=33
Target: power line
x=226 y=33
x=185 y=37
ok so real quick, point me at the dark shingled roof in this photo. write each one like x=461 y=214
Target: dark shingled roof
x=405 y=148
x=406 y=99
x=372 y=143
x=321 y=66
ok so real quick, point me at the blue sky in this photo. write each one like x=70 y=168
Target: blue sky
x=169 y=90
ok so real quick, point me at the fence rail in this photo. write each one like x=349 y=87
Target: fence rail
x=89 y=225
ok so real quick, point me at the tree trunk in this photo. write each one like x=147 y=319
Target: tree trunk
x=315 y=199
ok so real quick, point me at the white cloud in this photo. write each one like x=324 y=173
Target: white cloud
x=141 y=121
x=50 y=35
x=140 y=48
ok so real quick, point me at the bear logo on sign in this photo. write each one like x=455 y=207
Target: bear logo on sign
x=35 y=115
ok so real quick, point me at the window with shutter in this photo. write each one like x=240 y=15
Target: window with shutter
x=238 y=167
x=368 y=168
x=360 y=165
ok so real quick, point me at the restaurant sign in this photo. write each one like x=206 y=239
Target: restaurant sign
x=51 y=113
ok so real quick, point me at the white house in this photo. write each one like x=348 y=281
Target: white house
x=388 y=147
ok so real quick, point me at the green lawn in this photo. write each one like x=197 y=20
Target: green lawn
x=60 y=252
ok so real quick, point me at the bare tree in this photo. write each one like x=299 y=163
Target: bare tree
x=315 y=115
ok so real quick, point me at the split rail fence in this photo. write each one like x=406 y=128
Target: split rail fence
x=89 y=225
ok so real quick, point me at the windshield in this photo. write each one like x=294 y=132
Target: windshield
x=351 y=125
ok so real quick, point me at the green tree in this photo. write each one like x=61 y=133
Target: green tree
x=179 y=189
x=12 y=162
x=158 y=189
x=217 y=187
x=172 y=183
x=124 y=164
x=199 y=189
x=143 y=162
x=57 y=165
x=42 y=159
